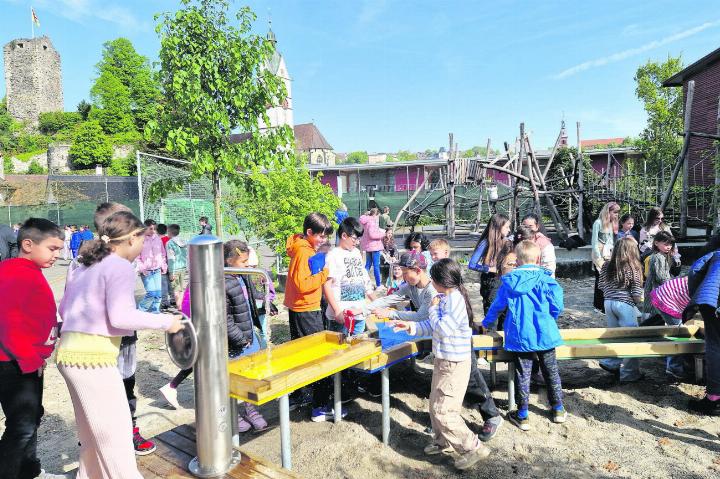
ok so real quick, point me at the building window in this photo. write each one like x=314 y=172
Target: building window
x=44 y=47
x=20 y=45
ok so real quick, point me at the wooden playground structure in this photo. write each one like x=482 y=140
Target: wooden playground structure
x=460 y=193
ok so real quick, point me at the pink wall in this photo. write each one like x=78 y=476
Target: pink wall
x=330 y=178
x=413 y=174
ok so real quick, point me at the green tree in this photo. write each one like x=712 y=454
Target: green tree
x=659 y=141
x=55 y=121
x=357 y=157
x=212 y=72
x=35 y=168
x=404 y=155
x=122 y=62
x=84 y=109
x=114 y=107
x=91 y=146
x=275 y=200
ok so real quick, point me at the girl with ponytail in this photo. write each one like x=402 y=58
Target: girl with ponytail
x=98 y=309
x=450 y=327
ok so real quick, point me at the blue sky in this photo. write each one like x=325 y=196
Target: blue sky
x=389 y=75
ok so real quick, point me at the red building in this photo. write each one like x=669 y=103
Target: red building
x=704 y=116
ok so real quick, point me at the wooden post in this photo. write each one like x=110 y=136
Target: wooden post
x=554 y=150
x=681 y=157
x=450 y=210
x=482 y=184
x=560 y=227
x=581 y=186
x=716 y=229
x=531 y=174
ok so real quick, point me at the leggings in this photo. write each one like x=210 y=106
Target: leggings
x=551 y=374
x=372 y=258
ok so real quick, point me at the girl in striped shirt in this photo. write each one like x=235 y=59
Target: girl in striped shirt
x=450 y=327
x=622 y=286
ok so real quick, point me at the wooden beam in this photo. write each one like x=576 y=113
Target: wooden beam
x=683 y=151
x=562 y=230
x=552 y=153
x=581 y=186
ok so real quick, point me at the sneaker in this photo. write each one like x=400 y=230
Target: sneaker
x=428 y=431
x=243 y=424
x=170 y=395
x=640 y=377
x=373 y=392
x=705 y=406
x=320 y=414
x=490 y=428
x=614 y=372
x=254 y=417
x=47 y=475
x=435 y=449
x=522 y=423
x=142 y=446
x=469 y=459
x=559 y=415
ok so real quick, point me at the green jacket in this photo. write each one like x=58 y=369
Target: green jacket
x=176 y=255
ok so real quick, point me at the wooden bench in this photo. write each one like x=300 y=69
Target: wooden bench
x=175 y=449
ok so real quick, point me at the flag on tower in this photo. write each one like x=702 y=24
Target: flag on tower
x=35 y=19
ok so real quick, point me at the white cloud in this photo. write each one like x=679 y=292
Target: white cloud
x=631 y=52
x=84 y=11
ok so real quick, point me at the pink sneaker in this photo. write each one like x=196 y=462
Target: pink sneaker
x=243 y=425
x=255 y=418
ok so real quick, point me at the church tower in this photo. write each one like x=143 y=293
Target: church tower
x=282 y=114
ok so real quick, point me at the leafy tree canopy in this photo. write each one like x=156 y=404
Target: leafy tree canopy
x=91 y=146
x=122 y=70
x=357 y=157
x=275 y=201
x=215 y=82
x=659 y=141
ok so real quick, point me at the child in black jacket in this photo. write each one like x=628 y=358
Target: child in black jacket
x=242 y=315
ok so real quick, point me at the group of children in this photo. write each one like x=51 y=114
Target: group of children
x=433 y=284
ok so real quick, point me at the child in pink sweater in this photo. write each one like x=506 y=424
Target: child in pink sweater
x=98 y=309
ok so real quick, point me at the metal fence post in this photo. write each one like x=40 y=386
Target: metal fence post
x=212 y=389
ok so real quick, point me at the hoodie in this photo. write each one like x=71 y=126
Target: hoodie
x=371 y=239
x=302 y=288
x=534 y=300
x=176 y=255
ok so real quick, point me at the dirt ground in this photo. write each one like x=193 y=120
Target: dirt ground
x=640 y=430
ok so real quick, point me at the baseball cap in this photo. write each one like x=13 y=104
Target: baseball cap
x=412 y=260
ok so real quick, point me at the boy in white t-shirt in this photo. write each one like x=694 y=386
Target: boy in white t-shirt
x=348 y=283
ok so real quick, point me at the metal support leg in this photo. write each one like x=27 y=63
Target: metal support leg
x=493 y=374
x=385 y=380
x=234 y=422
x=285 y=452
x=699 y=368
x=337 y=406
x=511 y=386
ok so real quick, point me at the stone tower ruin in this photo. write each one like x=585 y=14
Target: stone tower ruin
x=33 y=79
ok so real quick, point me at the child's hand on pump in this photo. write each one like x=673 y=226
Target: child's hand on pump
x=176 y=324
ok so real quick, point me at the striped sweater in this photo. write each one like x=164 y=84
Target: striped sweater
x=671 y=297
x=449 y=327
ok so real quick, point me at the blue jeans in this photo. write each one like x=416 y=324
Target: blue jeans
x=372 y=258
x=153 y=291
x=622 y=315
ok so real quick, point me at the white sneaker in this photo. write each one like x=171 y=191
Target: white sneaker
x=46 y=475
x=170 y=395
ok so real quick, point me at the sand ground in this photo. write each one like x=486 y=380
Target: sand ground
x=641 y=430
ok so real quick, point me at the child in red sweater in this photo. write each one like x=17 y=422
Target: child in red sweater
x=28 y=330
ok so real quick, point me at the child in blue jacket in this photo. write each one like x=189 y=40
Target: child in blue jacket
x=534 y=300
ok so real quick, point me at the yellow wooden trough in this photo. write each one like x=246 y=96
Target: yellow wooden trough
x=274 y=372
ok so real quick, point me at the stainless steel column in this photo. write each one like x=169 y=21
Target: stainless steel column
x=285 y=451
x=337 y=395
x=212 y=390
x=511 y=386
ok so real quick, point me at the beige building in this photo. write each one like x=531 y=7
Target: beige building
x=310 y=141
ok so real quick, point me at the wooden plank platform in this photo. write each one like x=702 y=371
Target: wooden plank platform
x=175 y=449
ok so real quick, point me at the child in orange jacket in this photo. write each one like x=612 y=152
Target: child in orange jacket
x=303 y=292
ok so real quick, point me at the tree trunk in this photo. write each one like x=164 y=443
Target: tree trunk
x=216 y=200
